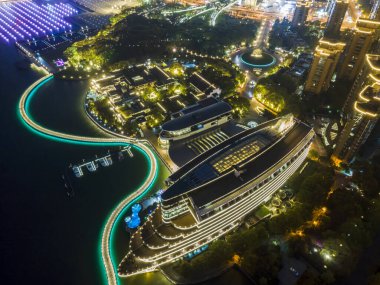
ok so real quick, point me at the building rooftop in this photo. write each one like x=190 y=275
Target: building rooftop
x=368 y=102
x=366 y=25
x=374 y=62
x=201 y=83
x=204 y=183
x=160 y=76
x=137 y=75
x=198 y=159
x=329 y=47
x=197 y=116
x=199 y=105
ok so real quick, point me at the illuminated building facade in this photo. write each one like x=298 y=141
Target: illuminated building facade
x=335 y=20
x=361 y=111
x=366 y=33
x=213 y=193
x=206 y=114
x=187 y=2
x=375 y=11
x=250 y=3
x=300 y=13
x=326 y=57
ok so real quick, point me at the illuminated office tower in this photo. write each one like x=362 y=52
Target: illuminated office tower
x=250 y=3
x=366 y=33
x=300 y=13
x=335 y=20
x=375 y=11
x=361 y=111
x=326 y=57
x=328 y=6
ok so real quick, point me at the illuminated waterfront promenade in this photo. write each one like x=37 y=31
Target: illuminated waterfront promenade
x=139 y=144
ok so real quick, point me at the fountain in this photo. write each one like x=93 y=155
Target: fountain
x=257 y=59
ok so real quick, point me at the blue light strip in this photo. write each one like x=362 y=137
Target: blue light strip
x=259 y=65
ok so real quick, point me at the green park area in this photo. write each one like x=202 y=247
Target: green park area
x=180 y=48
x=277 y=92
x=262 y=212
x=133 y=36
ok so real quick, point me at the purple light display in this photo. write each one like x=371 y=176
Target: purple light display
x=59 y=62
x=21 y=20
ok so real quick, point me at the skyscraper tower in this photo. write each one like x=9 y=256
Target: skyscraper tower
x=366 y=33
x=375 y=11
x=361 y=111
x=335 y=20
x=326 y=57
x=300 y=13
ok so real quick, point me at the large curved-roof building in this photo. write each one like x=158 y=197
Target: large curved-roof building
x=195 y=119
x=210 y=195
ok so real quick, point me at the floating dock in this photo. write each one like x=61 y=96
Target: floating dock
x=104 y=161
x=128 y=149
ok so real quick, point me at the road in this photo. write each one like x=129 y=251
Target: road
x=263 y=34
x=67 y=138
x=247 y=90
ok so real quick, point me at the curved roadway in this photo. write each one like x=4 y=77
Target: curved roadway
x=107 y=261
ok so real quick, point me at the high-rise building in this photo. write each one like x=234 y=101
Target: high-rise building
x=375 y=11
x=361 y=111
x=250 y=3
x=335 y=20
x=366 y=33
x=300 y=13
x=326 y=57
x=328 y=6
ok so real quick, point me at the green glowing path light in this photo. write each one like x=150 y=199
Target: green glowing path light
x=27 y=120
x=122 y=213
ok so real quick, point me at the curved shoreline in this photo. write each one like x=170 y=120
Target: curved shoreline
x=115 y=214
